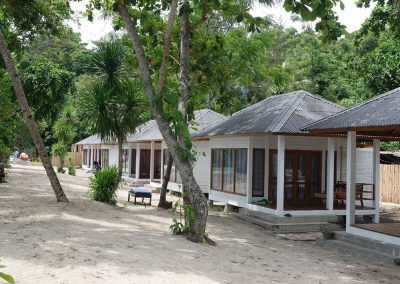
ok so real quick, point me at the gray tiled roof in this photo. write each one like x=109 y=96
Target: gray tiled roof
x=383 y=110
x=203 y=118
x=285 y=113
x=149 y=130
x=94 y=139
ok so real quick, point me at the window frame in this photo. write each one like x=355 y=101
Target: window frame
x=235 y=150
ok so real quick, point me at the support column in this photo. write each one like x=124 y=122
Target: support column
x=151 y=160
x=351 y=179
x=376 y=177
x=280 y=188
x=266 y=168
x=330 y=172
x=137 y=160
x=162 y=164
x=249 y=192
x=91 y=156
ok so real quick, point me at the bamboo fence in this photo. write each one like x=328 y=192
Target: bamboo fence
x=390 y=183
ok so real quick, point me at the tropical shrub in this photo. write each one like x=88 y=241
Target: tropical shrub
x=104 y=184
x=59 y=150
x=71 y=170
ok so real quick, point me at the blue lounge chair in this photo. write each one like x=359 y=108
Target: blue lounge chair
x=139 y=192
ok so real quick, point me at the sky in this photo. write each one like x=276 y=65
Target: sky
x=352 y=17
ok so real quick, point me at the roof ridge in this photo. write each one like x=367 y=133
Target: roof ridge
x=353 y=107
x=291 y=110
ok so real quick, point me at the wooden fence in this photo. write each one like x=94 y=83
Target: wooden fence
x=76 y=159
x=390 y=183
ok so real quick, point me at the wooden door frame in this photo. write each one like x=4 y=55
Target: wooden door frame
x=295 y=188
x=147 y=164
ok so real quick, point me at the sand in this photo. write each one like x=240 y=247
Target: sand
x=42 y=241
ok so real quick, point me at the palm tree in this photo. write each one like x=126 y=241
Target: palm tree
x=65 y=134
x=114 y=105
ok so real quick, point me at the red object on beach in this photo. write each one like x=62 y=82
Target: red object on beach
x=24 y=157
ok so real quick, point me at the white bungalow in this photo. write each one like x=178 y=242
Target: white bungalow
x=144 y=152
x=377 y=119
x=262 y=154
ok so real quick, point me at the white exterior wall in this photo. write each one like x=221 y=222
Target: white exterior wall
x=201 y=168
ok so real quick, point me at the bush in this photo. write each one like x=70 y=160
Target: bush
x=71 y=170
x=104 y=184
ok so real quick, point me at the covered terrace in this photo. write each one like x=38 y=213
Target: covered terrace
x=377 y=119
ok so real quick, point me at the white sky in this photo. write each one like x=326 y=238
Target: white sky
x=351 y=16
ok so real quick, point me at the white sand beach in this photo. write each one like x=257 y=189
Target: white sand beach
x=42 y=241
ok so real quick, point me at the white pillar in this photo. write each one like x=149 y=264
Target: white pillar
x=266 y=167
x=91 y=157
x=330 y=173
x=351 y=179
x=280 y=187
x=151 y=160
x=376 y=177
x=162 y=164
x=249 y=171
x=137 y=160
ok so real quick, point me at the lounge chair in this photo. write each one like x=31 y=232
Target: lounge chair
x=139 y=192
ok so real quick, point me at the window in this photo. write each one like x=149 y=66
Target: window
x=104 y=158
x=258 y=172
x=229 y=170
x=216 y=175
x=125 y=161
x=241 y=171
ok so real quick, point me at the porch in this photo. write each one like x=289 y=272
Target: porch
x=288 y=174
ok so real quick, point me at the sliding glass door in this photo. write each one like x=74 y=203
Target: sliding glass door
x=302 y=176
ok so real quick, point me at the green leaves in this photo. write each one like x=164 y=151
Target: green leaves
x=7 y=278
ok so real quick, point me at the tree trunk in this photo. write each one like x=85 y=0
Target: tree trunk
x=195 y=195
x=30 y=122
x=120 y=157
x=192 y=194
x=163 y=194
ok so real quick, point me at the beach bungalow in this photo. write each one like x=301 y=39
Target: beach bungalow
x=262 y=160
x=377 y=119
x=95 y=150
x=144 y=152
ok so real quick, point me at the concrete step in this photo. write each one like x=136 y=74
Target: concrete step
x=289 y=227
x=282 y=219
x=388 y=254
x=381 y=247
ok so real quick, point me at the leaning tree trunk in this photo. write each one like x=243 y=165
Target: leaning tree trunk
x=30 y=122
x=163 y=194
x=195 y=195
x=120 y=157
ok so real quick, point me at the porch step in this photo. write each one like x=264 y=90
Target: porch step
x=287 y=220
x=356 y=245
x=286 y=227
x=153 y=188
